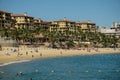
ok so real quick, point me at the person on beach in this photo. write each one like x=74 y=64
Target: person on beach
x=20 y=74
x=18 y=54
x=32 y=56
x=40 y=54
x=36 y=50
x=26 y=53
x=14 y=50
x=88 y=49
x=60 y=52
x=0 y=47
x=7 y=54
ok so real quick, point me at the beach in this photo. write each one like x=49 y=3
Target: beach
x=10 y=54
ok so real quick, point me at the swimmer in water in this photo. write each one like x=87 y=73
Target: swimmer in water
x=1 y=72
x=20 y=74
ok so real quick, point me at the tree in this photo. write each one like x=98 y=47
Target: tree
x=70 y=44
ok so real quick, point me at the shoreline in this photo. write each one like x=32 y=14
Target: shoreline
x=21 y=61
x=27 y=60
x=12 y=54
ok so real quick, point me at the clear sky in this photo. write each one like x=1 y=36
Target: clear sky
x=102 y=12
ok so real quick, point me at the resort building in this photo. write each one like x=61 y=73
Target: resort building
x=116 y=25
x=62 y=26
x=86 y=26
x=5 y=20
x=45 y=25
x=23 y=21
x=109 y=31
x=38 y=23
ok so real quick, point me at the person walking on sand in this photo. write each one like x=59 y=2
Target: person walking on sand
x=40 y=54
x=32 y=56
x=60 y=52
x=0 y=48
x=26 y=53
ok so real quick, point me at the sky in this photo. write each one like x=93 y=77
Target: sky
x=101 y=12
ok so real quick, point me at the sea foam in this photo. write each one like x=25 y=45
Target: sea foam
x=4 y=64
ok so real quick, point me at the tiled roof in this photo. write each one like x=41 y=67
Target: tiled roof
x=36 y=19
x=4 y=11
x=64 y=21
x=44 y=22
x=37 y=22
x=85 y=23
x=20 y=15
x=54 y=24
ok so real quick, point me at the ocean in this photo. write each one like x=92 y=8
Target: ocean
x=87 y=67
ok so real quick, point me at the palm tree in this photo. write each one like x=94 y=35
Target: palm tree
x=70 y=44
x=4 y=32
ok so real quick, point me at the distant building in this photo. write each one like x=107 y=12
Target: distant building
x=37 y=22
x=86 y=26
x=62 y=26
x=116 y=25
x=5 y=20
x=109 y=31
x=45 y=25
x=23 y=21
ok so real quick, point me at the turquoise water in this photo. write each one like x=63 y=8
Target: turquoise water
x=92 y=67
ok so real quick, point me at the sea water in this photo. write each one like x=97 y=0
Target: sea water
x=88 y=67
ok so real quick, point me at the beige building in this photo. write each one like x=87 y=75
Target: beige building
x=38 y=23
x=86 y=26
x=62 y=26
x=45 y=25
x=5 y=19
x=23 y=21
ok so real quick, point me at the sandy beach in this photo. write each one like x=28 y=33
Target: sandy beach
x=9 y=54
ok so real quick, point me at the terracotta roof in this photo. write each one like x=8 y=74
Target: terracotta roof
x=54 y=24
x=85 y=23
x=4 y=11
x=64 y=21
x=36 y=19
x=20 y=15
x=37 y=22
x=44 y=22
